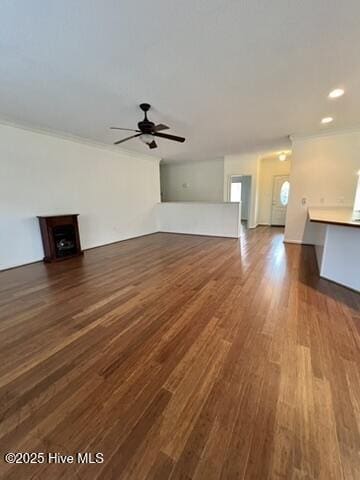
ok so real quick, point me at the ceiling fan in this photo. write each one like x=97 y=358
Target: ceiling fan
x=147 y=130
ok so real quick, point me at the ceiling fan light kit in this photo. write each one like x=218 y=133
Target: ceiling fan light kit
x=147 y=130
x=146 y=138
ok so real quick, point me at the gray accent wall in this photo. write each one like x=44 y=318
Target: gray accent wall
x=201 y=181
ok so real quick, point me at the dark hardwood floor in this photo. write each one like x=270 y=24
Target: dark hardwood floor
x=182 y=357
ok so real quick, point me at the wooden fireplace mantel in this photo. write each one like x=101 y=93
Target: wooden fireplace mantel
x=66 y=228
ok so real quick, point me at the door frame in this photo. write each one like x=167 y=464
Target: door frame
x=250 y=191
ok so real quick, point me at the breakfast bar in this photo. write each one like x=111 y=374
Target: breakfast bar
x=337 y=245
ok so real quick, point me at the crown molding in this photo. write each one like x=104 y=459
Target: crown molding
x=79 y=140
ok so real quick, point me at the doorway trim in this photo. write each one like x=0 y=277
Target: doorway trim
x=229 y=181
x=272 y=224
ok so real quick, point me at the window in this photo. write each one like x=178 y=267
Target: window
x=284 y=193
x=235 y=192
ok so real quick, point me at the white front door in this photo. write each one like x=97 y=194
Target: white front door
x=281 y=187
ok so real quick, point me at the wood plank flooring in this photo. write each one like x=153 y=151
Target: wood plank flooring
x=181 y=357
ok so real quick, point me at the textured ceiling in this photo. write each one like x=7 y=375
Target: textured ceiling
x=229 y=75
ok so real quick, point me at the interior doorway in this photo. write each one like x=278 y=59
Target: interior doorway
x=280 y=199
x=240 y=191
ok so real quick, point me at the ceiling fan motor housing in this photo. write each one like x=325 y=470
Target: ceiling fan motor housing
x=145 y=126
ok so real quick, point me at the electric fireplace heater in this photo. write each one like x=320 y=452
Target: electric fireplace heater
x=60 y=236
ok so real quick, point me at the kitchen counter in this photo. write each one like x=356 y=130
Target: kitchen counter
x=337 y=245
x=333 y=216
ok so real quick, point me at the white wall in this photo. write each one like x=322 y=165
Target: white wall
x=323 y=171
x=200 y=218
x=245 y=164
x=245 y=197
x=269 y=167
x=319 y=230
x=115 y=193
x=192 y=181
x=340 y=261
x=357 y=196
x=245 y=194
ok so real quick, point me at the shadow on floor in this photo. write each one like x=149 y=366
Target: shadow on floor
x=309 y=276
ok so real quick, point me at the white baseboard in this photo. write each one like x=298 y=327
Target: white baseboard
x=84 y=249
x=197 y=234
x=297 y=242
x=341 y=284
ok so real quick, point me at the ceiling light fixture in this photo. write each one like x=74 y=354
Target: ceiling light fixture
x=282 y=157
x=147 y=138
x=336 y=93
x=326 y=120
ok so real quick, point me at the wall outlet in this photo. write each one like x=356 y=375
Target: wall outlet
x=303 y=201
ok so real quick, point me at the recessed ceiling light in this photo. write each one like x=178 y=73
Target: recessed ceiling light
x=326 y=120
x=282 y=157
x=338 y=92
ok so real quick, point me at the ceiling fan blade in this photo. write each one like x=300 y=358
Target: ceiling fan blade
x=153 y=144
x=127 y=138
x=161 y=126
x=169 y=137
x=127 y=129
